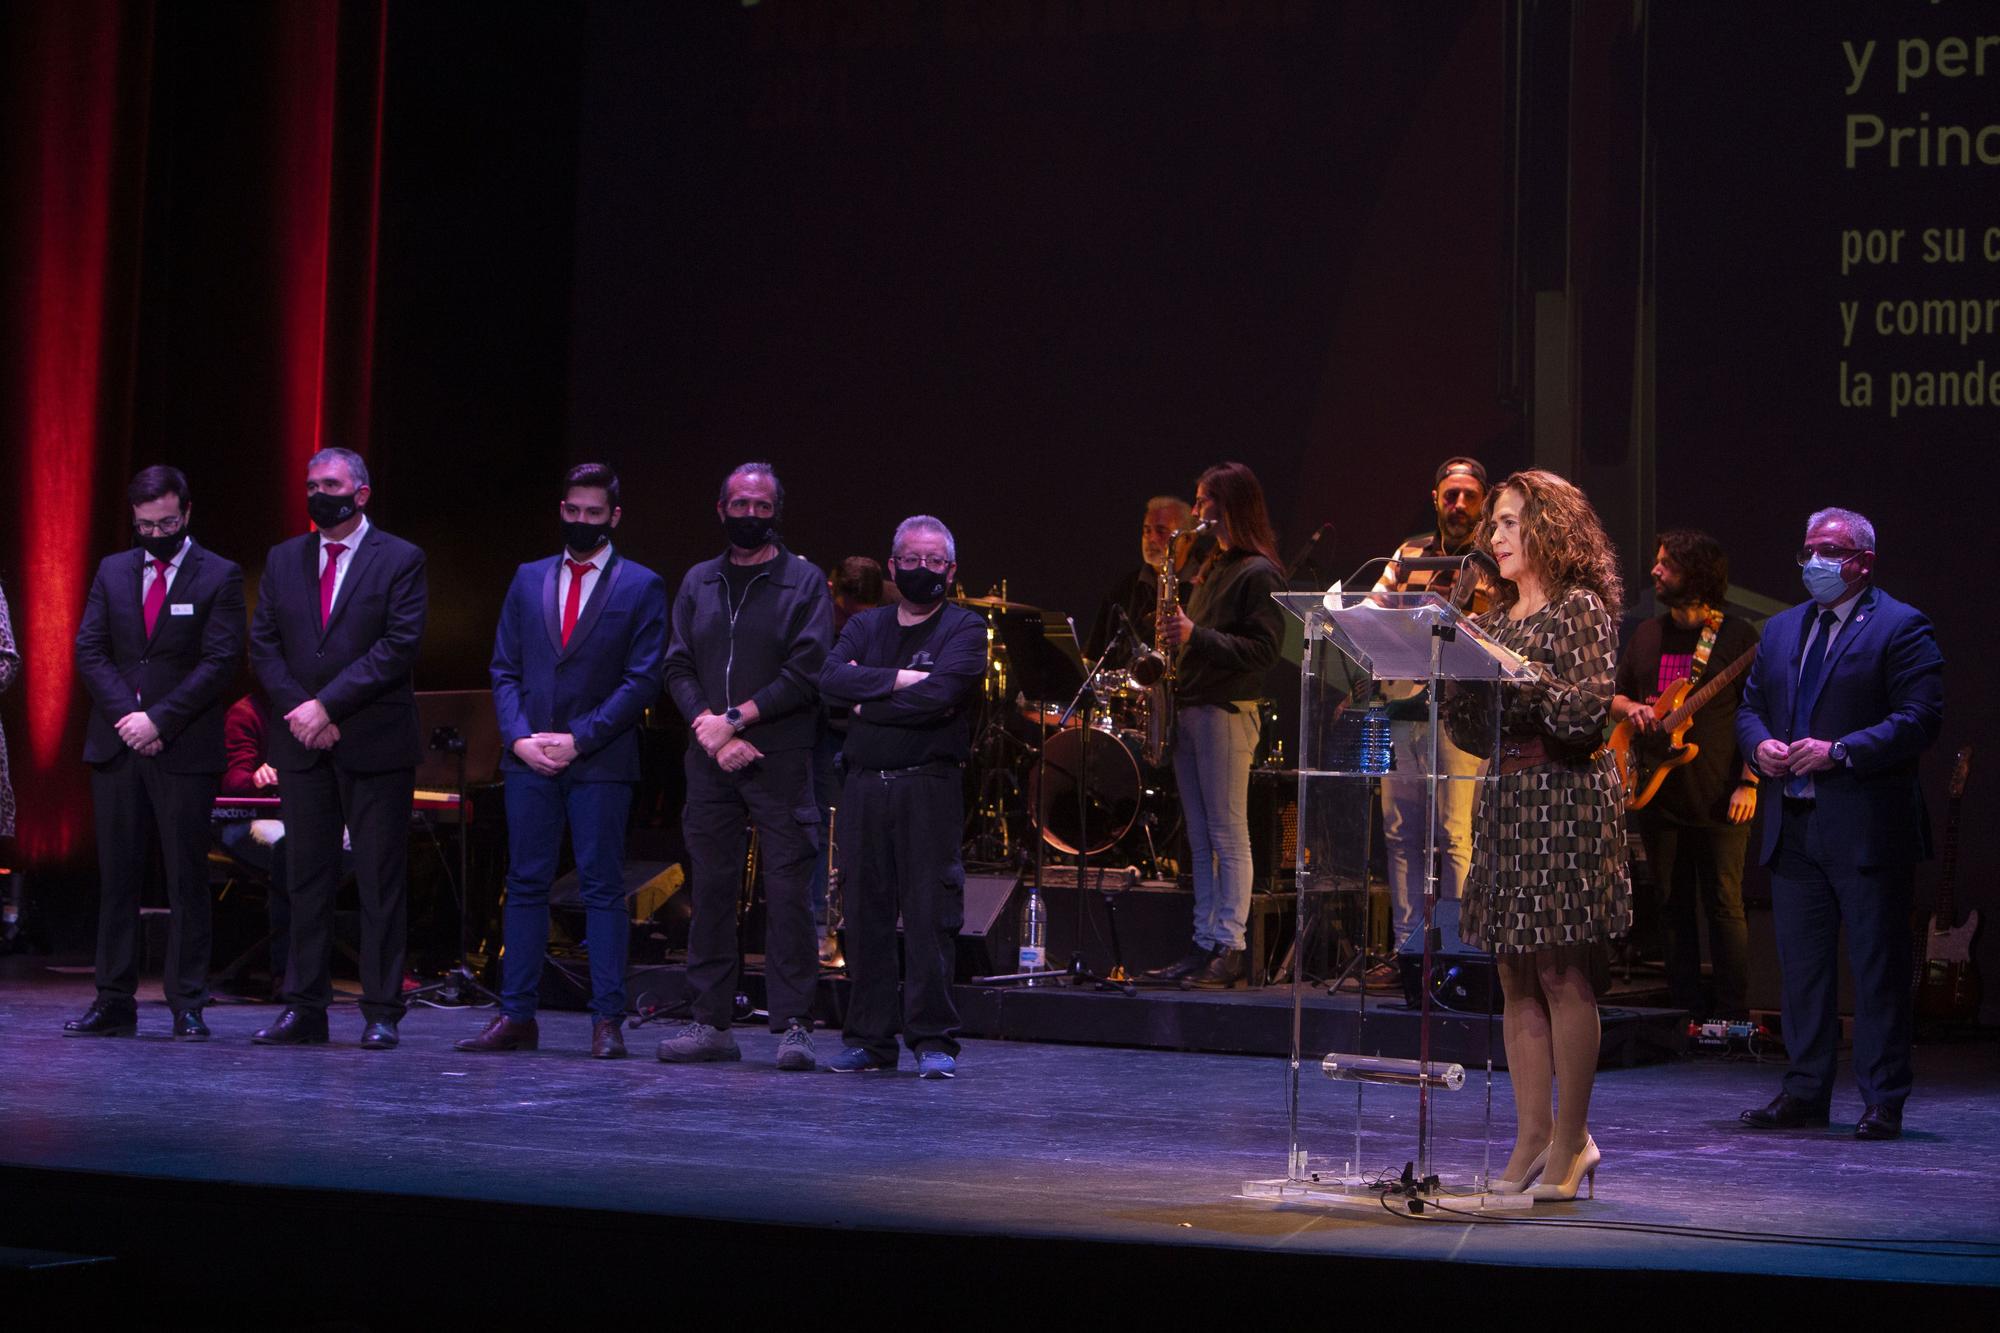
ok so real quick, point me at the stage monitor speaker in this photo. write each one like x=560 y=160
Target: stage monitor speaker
x=648 y=885
x=1462 y=978
x=989 y=942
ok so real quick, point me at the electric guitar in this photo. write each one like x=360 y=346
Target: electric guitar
x=1645 y=760
x=1947 y=979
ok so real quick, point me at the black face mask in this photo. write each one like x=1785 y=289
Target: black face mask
x=330 y=511
x=583 y=538
x=747 y=532
x=920 y=586
x=163 y=547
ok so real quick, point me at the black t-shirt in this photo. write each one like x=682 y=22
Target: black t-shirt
x=1697 y=792
x=738 y=577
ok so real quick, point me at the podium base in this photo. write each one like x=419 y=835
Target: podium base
x=1357 y=1193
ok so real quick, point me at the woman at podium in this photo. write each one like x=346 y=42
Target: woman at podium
x=1548 y=878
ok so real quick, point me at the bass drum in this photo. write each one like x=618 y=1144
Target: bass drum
x=1111 y=799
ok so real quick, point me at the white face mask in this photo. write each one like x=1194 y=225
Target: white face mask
x=1823 y=580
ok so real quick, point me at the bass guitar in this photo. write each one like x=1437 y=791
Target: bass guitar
x=1947 y=979
x=1645 y=759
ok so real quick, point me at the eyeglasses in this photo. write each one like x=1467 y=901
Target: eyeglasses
x=1843 y=554
x=166 y=527
x=936 y=564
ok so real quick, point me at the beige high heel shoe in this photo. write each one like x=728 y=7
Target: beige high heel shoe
x=1582 y=1169
x=1501 y=1185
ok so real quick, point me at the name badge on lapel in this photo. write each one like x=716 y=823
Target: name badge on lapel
x=180 y=608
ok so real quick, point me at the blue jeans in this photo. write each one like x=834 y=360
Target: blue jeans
x=537 y=808
x=1212 y=754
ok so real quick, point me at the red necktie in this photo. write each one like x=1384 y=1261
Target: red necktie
x=156 y=596
x=326 y=578
x=573 y=603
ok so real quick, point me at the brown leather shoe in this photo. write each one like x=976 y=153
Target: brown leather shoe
x=504 y=1034
x=606 y=1041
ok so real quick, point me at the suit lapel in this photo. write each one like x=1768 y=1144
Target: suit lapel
x=551 y=617
x=350 y=582
x=1857 y=623
x=138 y=607
x=599 y=595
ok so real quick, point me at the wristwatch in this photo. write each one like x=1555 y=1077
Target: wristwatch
x=1837 y=752
x=734 y=717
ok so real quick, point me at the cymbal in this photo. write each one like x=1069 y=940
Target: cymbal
x=996 y=604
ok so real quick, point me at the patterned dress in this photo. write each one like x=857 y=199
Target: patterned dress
x=1548 y=851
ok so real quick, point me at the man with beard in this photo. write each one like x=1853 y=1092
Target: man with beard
x=909 y=675
x=750 y=633
x=1138 y=592
x=1459 y=498
x=1697 y=826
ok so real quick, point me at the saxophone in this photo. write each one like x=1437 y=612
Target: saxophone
x=1154 y=668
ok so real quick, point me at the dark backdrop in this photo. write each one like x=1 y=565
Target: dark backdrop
x=1020 y=264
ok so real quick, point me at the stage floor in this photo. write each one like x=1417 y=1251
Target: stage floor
x=1034 y=1142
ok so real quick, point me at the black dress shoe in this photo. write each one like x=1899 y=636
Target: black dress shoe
x=104 y=1020
x=295 y=1027
x=1195 y=960
x=607 y=1042
x=503 y=1034
x=380 y=1036
x=1223 y=971
x=1880 y=1122
x=189 y=1027
x=1787 y=1112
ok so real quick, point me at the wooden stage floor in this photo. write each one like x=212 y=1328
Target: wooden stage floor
x=1087 y=1173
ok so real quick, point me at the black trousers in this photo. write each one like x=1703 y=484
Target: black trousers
x=130 y=792
x=375 y=809
x=775 y=794
x=899 y=847
x=1701 y=867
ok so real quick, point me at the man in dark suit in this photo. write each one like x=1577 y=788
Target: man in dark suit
x=159 y=649
x=338 y=621
x=576 y=662
x=1841 y=704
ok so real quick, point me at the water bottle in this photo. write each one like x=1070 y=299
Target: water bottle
x=1034 y=954
x=1378 y=741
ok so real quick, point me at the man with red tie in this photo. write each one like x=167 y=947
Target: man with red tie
x=335 y=637
x=159 y=647
x=576 y=663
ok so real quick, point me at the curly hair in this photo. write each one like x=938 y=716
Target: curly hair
x=1701 y=562
x=1561 y=539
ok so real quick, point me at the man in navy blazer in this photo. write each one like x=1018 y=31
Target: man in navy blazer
x=159 y=649
x=334 y=641
x=576 y=663
x=1841 y=704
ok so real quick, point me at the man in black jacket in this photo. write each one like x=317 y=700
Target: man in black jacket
x=159 y=648
x=750 y=632
x=909 y=675
x=334 y=640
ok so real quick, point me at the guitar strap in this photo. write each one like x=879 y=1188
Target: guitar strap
x=1704 y=646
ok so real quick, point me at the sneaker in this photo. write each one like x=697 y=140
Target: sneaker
x=858 y=1060
x=936 y=1064
x=795 y=1048
x=699 y=1041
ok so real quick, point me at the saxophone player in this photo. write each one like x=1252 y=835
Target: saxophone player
x=1221 y=644
x=1138 y=591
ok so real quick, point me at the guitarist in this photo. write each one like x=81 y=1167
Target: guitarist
x=1696 y=828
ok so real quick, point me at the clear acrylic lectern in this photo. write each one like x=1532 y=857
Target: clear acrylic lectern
x=1369 y=658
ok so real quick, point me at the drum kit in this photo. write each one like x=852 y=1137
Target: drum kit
x=1061 y=765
